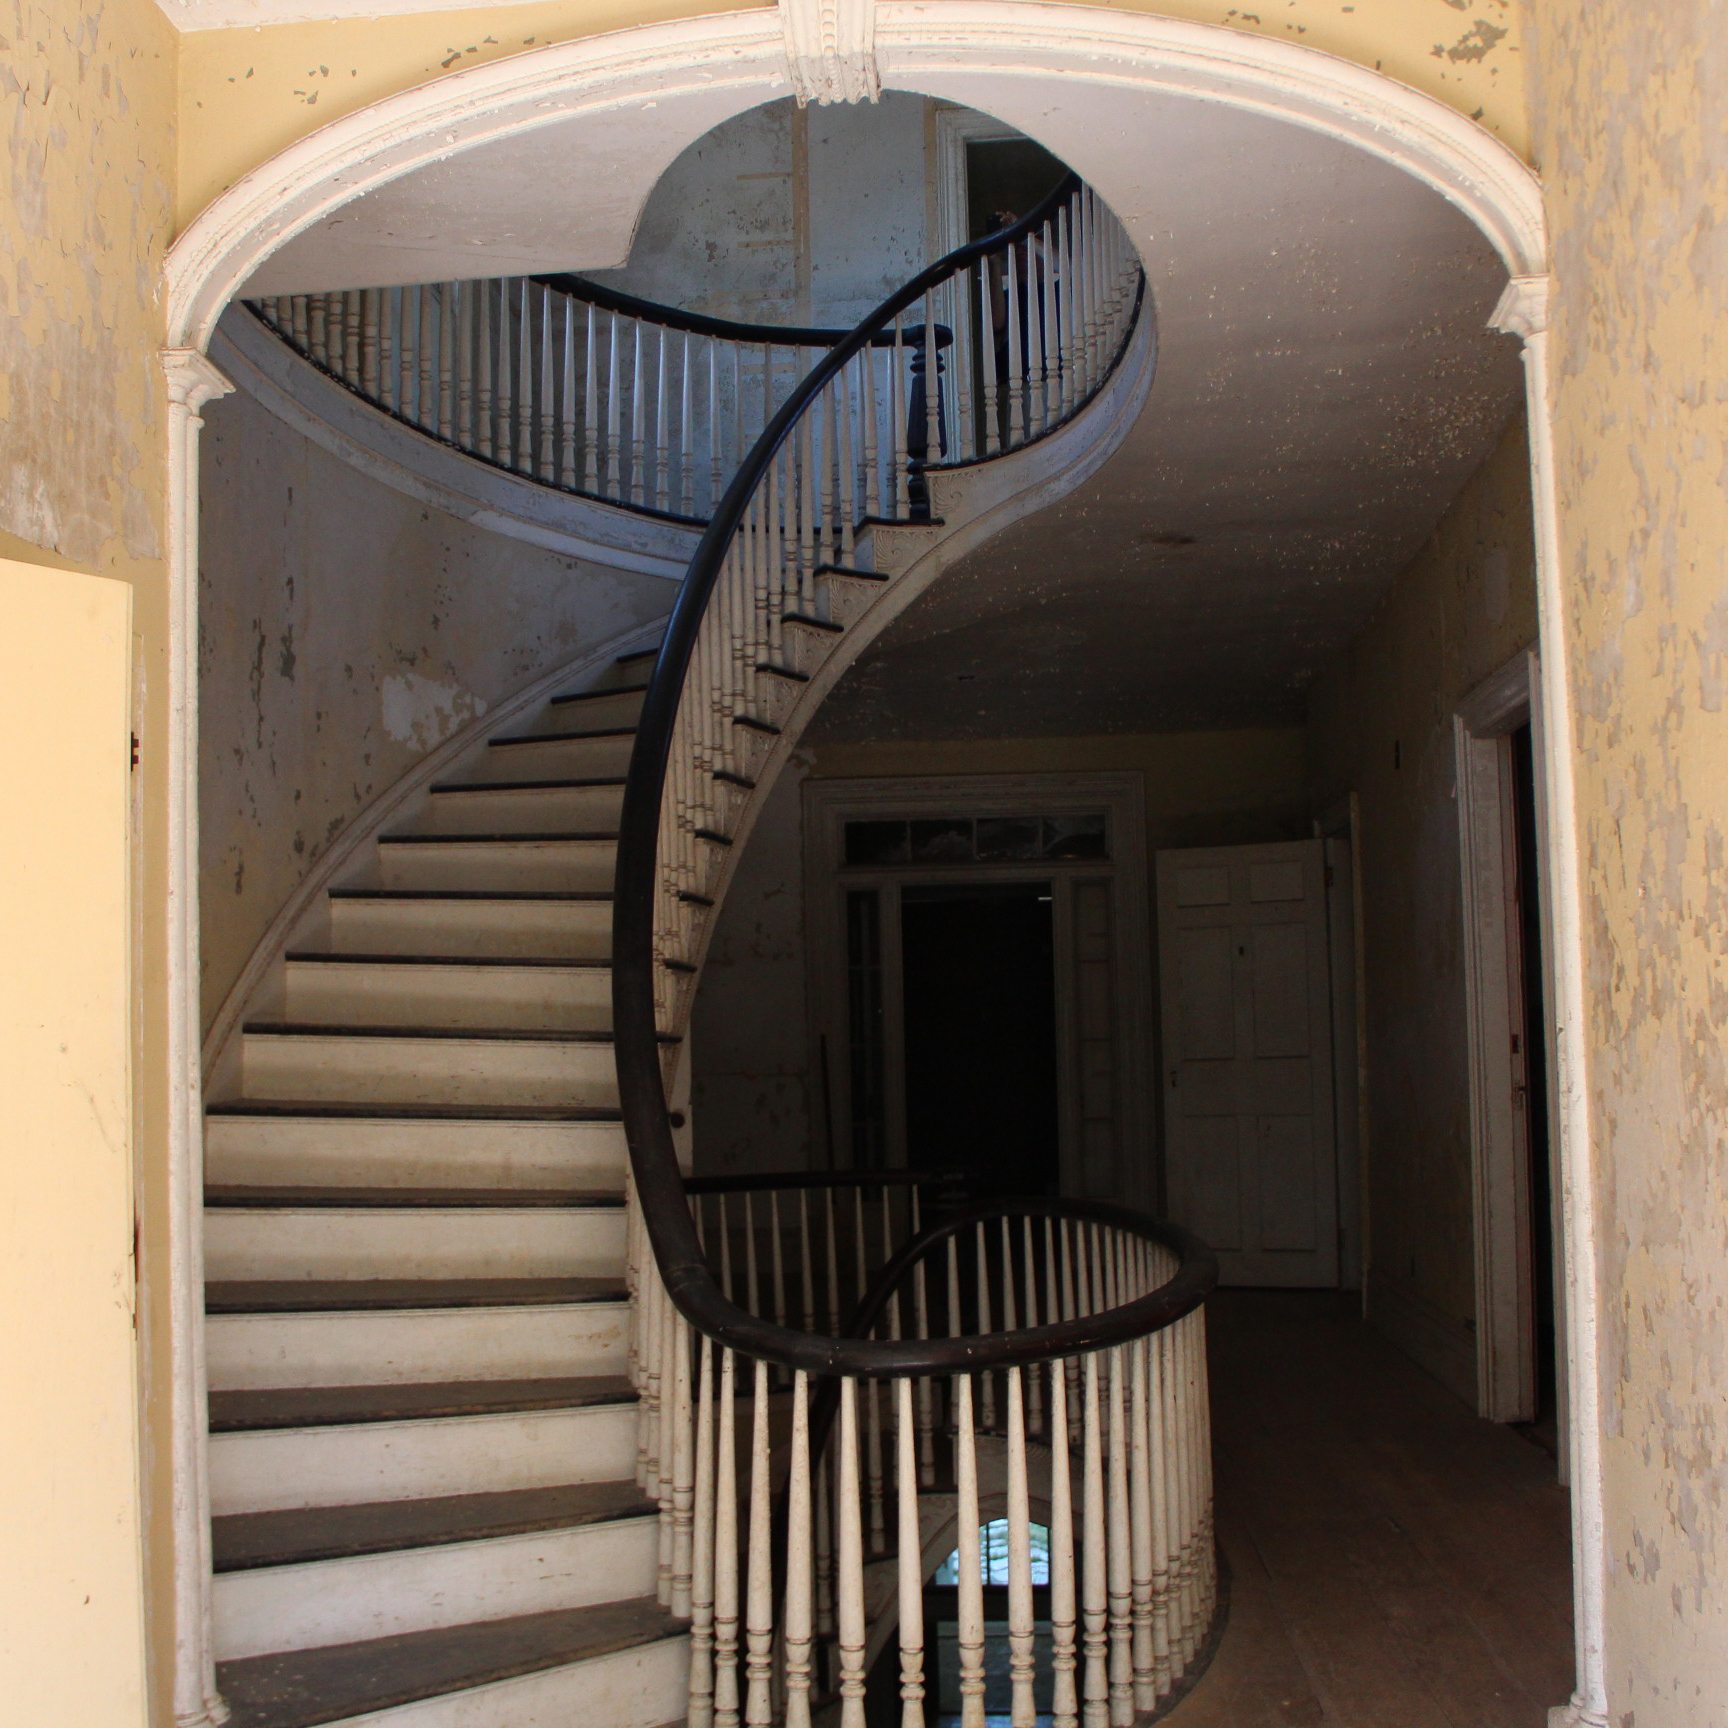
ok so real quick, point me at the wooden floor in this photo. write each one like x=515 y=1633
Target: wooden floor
x=1396 y=1562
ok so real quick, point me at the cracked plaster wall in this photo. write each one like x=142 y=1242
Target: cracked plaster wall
x=1381 y=725
x=87 y=103
x=1632 y=136
x=755 y=1102
x=346 y=631
x=249 y=93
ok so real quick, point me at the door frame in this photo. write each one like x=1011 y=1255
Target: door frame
x=1501 y=1148
x=830 y=804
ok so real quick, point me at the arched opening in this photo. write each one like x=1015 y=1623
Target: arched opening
x=935 y=78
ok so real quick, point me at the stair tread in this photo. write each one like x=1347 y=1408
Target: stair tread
x=850 y=570
x=322 y=957
x=562 y=737
x=539 y=837
x=355 y=1295
x=599 y=695
x=334 y=1406
x=283 y=1194
x=591 y=895
x=559 y=785
x=245 y=1541
x=303 y=1688
x=486 y=1034
x=338 y=1110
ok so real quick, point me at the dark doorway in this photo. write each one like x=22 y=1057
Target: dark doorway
x=1005 y=176
x=978 y=964
x=1535 y=1041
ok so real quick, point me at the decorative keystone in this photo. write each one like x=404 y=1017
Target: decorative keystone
x=831 y=50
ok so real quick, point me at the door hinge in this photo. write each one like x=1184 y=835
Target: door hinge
x=134 y=752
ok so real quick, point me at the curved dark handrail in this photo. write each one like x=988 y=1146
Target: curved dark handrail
x=660 y=1185
x=701 y=324
x=761 y=1181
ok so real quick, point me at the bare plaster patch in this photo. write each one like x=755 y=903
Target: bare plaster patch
x=421 y=711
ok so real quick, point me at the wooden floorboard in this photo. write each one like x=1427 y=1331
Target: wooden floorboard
x=1396 y=1562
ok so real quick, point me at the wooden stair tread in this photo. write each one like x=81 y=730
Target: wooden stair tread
x=487 y=1034
x=333 y=1194
x=561 y=737
x=323 y=957
x=552 y=835
x=353 y=1295
x=303 y=1688
x=560 y=785
x=325 y=1110
x=243 y=1542
x=337 y=1406
x=599 y=695
x=465 y=895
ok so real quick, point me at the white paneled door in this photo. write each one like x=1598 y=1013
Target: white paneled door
x=1244 y=984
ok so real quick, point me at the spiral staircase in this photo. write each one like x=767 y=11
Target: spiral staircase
x=474 y=1459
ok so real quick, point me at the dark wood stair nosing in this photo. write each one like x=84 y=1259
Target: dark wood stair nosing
x=598 y=695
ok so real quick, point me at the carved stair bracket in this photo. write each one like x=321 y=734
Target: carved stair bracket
x=831 y=50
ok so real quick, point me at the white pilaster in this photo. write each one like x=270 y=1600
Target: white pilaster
x=192 y=381
x=1523 y=312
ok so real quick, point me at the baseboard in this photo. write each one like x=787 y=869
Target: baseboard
x=1438 y=1344
x=365 y=825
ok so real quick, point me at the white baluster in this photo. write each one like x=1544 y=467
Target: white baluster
x=910 y=1568
x=1119 y=1573
x=704 y=1518
x=798 y=1561
x=483 y=368
x=610 y=486
x=851 y=1581
x=686 y=438
x=1094 y=1606
x=1145 y=1655
x=1022 y=1710
x=990 y=339
x=726 y=1551
x=971 y=1603
x=759 y=1592
x=1065 y=1698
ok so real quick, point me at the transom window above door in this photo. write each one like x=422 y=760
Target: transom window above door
x=872 y=843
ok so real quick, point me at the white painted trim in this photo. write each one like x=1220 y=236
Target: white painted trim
x=1494 y=1016
x=830 y=804
x=1523 y=311
x=321 y=173
x=366 y=438
x=192 y=380
x=364 y=826
x=955 y=129
x=831 y=50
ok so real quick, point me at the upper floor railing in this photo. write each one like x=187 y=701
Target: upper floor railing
x=600 y=394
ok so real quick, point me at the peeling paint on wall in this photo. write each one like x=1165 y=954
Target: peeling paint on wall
x=347 y=631
x=1632 y=135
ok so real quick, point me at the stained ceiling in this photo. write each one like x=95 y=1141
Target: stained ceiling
x=1326 y=383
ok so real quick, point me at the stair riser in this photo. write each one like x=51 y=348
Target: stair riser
x=500 y=866
x=845 y=599
x=387 y=1154
x=378 y=1595
x=896 y=547
x=804 y=649
x=640 y=1688
x=500 y=929
x=286 y=1468
x=525 y=810
x=247 y=1352
x=378 y=994
x=372 y=1242
x=594 y=714
x=568 y=758
x=428 y=1071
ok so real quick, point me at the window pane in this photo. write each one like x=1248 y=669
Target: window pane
x=1008 y=837
x=876 y=843
x=942 y=842
x=1076 y=837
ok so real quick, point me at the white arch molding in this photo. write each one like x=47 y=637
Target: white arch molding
x=760 y=54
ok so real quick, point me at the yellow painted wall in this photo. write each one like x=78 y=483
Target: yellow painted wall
x=87 y=107
x=1381 y=726
x=71 y=1576
x=1631 y=129
x=249 y=93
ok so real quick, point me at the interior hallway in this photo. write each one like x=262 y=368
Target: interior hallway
x=1396 y=1563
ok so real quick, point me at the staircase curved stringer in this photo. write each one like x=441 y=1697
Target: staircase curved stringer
x=971 y=505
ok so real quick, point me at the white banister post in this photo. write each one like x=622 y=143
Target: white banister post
x=1023 y=1712
x=1065 y=1700
x=852 y=1628
x=759 y=1576
x=701 y=1713
x=971 y=1630
x=911 y=1570
x=798 y=1561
